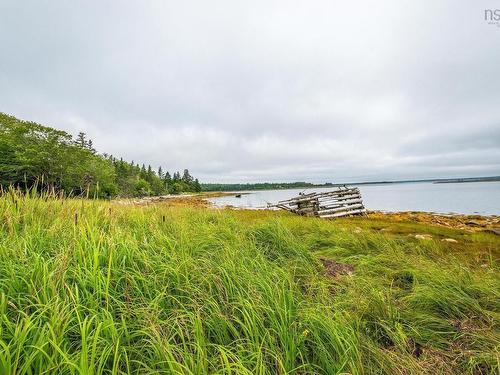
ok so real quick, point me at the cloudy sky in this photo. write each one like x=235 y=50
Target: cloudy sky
x=264 y=90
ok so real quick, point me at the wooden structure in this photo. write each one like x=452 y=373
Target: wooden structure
x=331 y=204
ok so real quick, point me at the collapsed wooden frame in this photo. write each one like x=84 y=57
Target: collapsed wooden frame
x=344 y=201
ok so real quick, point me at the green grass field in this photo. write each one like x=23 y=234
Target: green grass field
x=92 y=287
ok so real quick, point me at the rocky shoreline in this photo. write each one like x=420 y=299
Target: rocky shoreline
x=470 y=223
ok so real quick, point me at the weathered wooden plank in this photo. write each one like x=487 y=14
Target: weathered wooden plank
x=340 y=209
x=335 y=198
x=339 y=197
x=338 y=203
x=326 y=202
x=345 y=213
x=304 y=198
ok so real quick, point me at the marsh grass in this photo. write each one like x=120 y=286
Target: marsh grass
x=92 y=287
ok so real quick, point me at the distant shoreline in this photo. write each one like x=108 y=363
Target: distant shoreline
x=305 y=185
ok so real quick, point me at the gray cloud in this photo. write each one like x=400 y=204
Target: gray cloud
x=253 y=91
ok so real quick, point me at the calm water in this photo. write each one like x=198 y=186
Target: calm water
x=465 y=198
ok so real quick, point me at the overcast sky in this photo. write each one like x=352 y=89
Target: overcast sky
x=264 y=90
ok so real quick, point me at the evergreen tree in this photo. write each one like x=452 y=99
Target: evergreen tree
x=143 y=173
x=167 y=178
x=35 y=155
x=81 y=140
x=91 y=148
x=196 y=186
x=186 y=177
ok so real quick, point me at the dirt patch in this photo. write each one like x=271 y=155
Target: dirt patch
x=469 y=325
x=335 y=269
x=403 y=280
x=414 y=347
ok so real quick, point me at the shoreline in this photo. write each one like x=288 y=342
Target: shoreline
x=470 y=223
x=284 y=185
x=466 y=222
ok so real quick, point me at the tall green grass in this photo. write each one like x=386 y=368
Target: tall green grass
x=92 y=287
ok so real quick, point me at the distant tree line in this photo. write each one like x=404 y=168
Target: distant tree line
x=32 y=155
x=261 y=186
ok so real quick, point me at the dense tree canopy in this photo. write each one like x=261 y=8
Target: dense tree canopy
x=32 y=155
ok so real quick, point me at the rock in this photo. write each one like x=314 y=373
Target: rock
x=423 y=237
x=450 y=240
x=494 y=231
x=474 y=223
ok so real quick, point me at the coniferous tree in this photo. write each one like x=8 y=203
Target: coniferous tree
x=143 y=173
x=186 y=177
x=81 y=140
x=91 y=148
x=196 y=186
x=167 y=182
x=167 y=178
x=35 y=155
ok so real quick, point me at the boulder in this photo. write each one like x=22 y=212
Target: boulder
x=494 y=231
x=423 y=237
x=474 y=223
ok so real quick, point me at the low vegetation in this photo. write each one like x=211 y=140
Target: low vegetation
x=93 y=287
